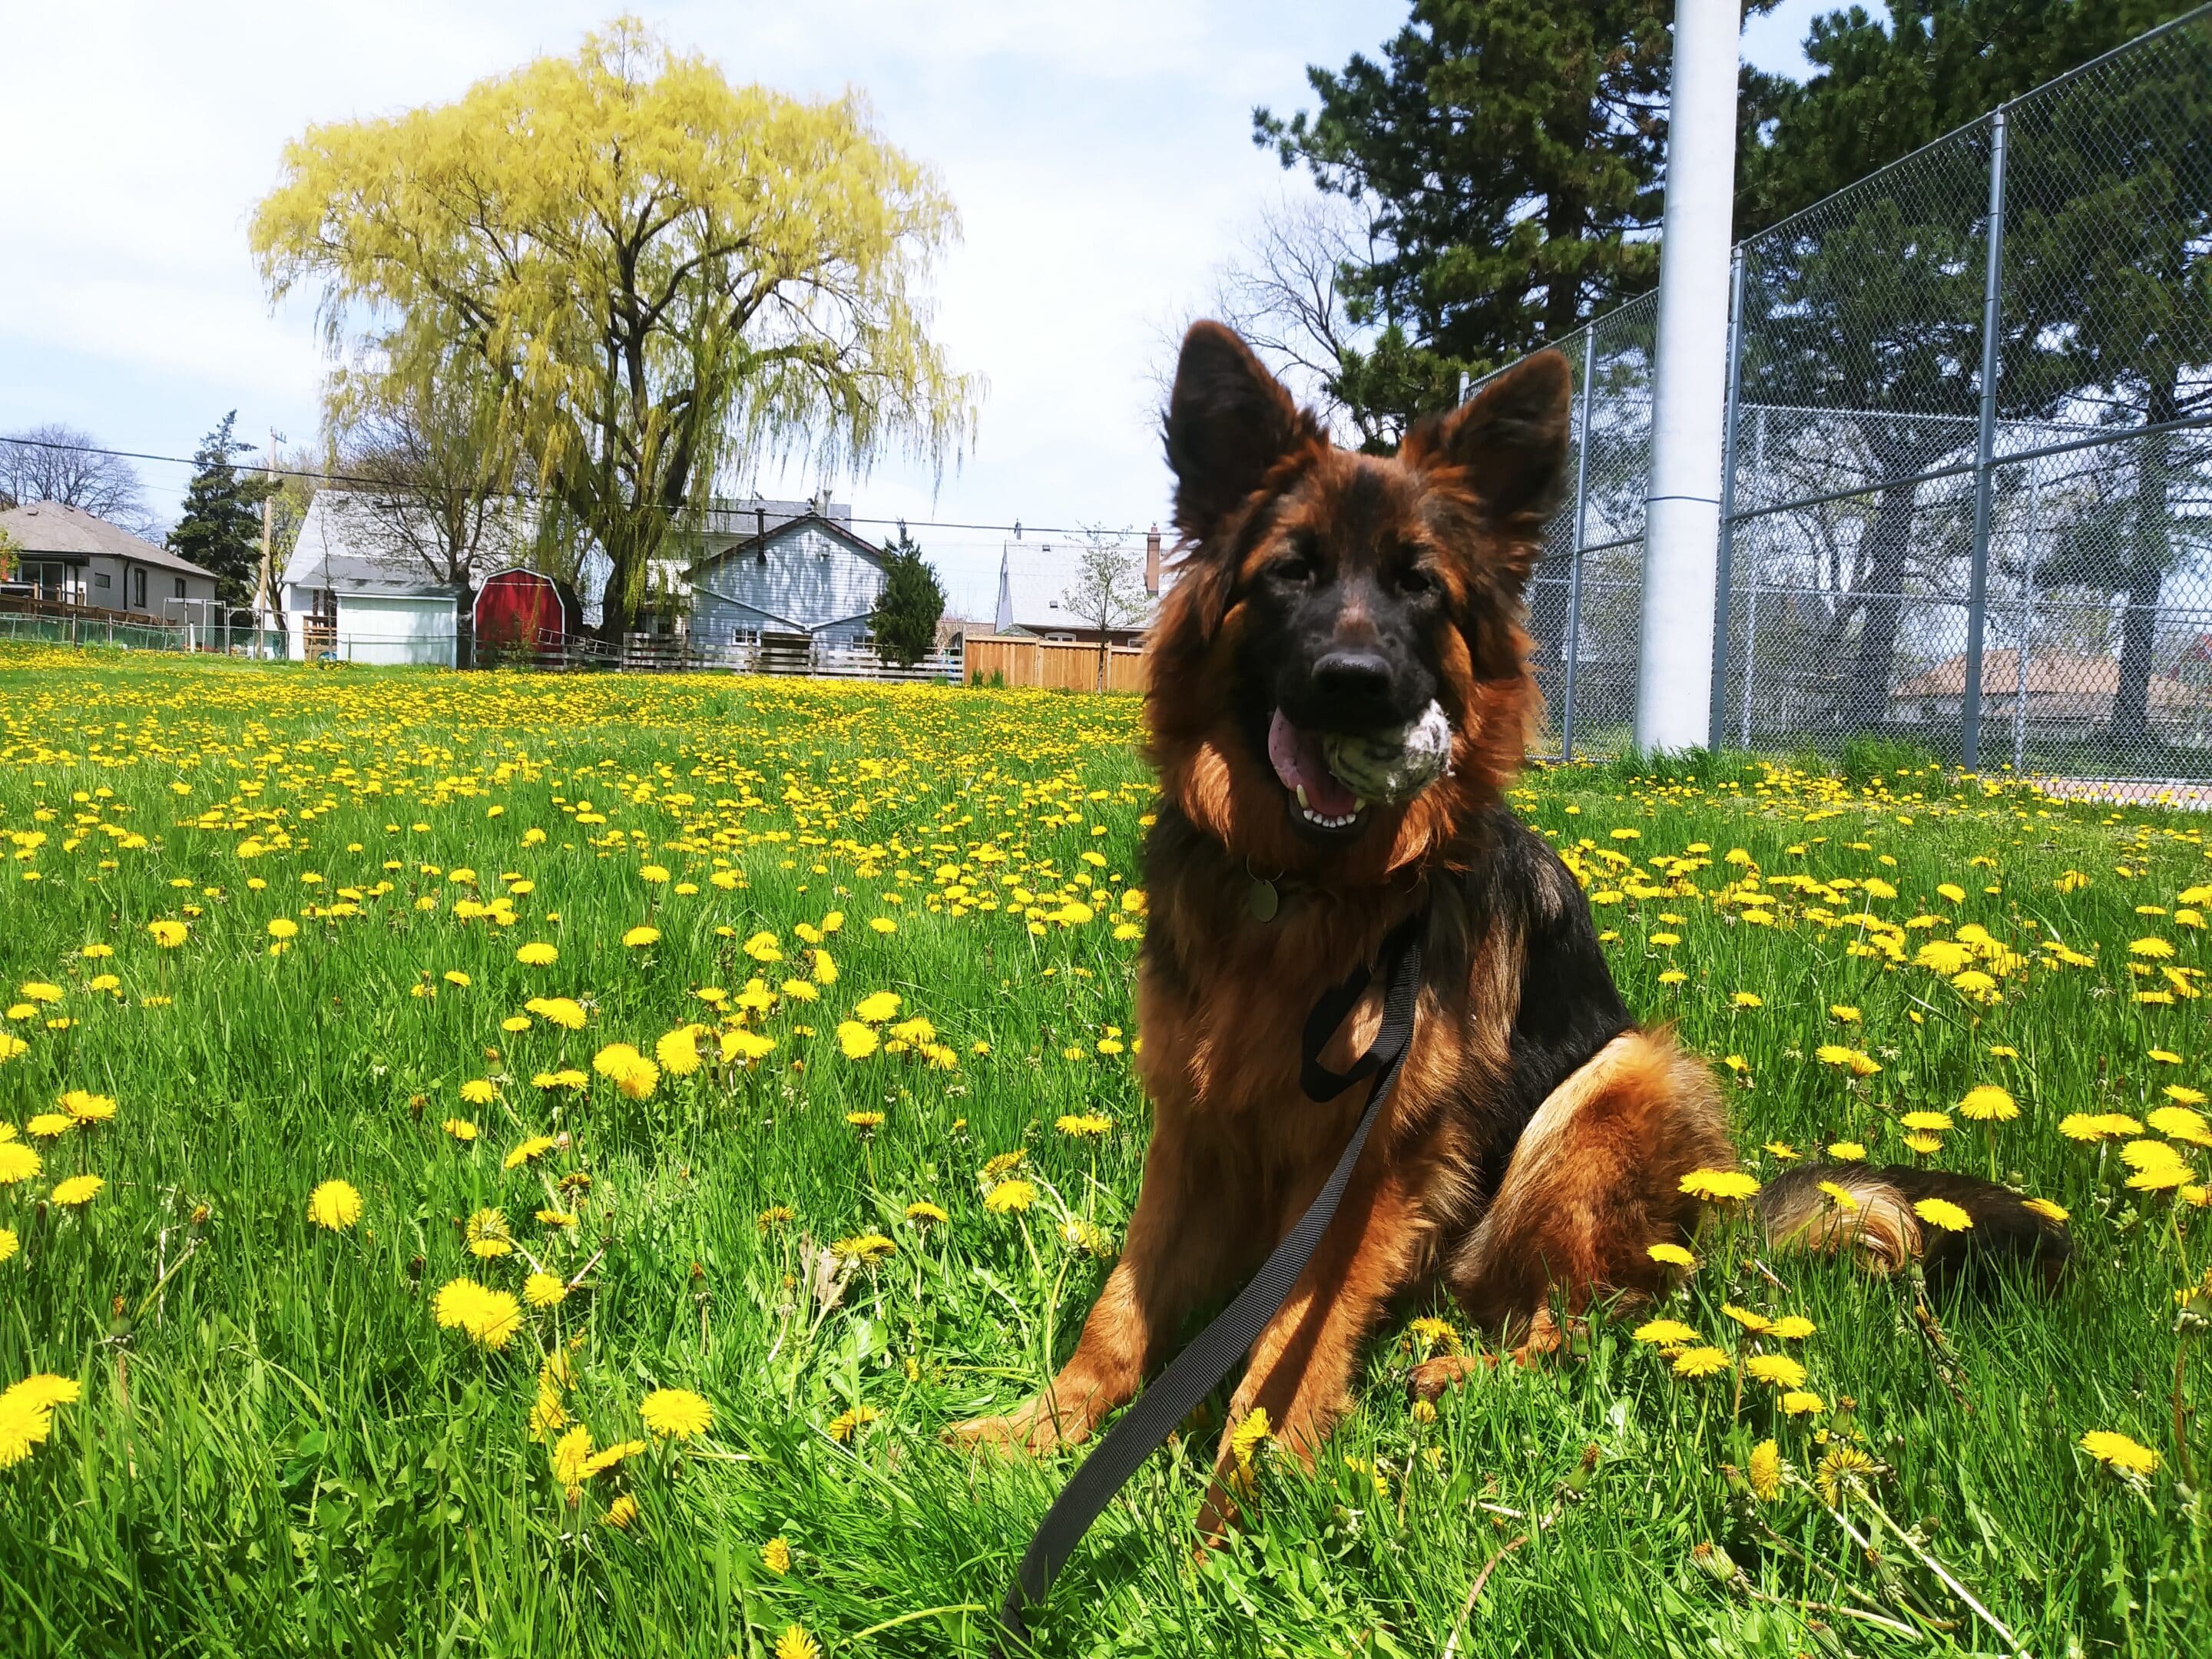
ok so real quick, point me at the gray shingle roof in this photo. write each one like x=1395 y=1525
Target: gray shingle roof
x=50 y=529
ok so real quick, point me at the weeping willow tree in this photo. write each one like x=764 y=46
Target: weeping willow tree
x=665 y=276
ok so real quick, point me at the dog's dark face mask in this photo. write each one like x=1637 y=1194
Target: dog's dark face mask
x=1363 y=598
x=1339 y=653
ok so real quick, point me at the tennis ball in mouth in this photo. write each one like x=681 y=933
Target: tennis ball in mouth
x=1391 y=766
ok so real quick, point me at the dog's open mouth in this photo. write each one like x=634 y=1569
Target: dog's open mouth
x=1332 y=776
x=1296 y=754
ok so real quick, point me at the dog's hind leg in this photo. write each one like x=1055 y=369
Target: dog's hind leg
x=1595 y=1181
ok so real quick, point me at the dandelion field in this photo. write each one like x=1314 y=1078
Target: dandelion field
x=531 y=1164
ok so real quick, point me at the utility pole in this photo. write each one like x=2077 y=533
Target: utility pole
x=262 y=604
x=1682 y=510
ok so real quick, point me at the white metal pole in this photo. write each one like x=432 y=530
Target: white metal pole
x=1681 y=514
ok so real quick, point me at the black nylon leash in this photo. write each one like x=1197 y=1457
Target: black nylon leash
x=1194 y=1372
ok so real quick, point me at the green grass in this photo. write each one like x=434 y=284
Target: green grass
x=278 y=1450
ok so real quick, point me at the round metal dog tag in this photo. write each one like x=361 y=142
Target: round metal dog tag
x=1261 y=900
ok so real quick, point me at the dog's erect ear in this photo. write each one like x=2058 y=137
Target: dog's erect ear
x=1510 y=441
x=1228 y=422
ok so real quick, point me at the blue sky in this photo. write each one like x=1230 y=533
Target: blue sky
x=1099 y=156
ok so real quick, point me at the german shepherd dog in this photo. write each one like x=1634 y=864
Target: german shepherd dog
x=1536 y=1141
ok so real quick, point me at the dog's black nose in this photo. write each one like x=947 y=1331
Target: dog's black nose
x=1352 y=677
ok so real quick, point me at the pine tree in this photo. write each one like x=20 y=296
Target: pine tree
x=1885 y=85
x=908 y=610
x=1509 y=156
x=1874 y=304
x=221 y=529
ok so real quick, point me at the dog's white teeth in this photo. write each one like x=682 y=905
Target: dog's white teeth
x=1308 y=811
x=1358 y=807
x=1327 y=822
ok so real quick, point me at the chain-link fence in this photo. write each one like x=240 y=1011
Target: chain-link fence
x=1969 y=496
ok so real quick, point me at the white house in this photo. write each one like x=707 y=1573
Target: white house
x=782 y=568
x=364 y=583
x=1033 y=590
x=67 y=556
x=356 y=588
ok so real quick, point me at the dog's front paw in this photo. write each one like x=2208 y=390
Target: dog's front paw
x=1028 y=1430
x=1434 y=1377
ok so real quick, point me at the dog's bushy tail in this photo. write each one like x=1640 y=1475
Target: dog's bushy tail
x=1832 y=1208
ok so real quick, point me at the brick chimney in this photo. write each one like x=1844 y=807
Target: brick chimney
x=1153 y=562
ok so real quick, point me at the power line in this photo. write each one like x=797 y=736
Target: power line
x=1017 y=528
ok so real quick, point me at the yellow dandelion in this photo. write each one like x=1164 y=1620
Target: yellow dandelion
x=1010 y=1198
x=1777 y=1370
x=1719 y=1186
x=2044 y=1207
x=877 y=1008
x=487 y=1234
x=537 y=954
x=569 y=1454
x=88 y=1108
x=1434 y=1334
x=620 y=1513
x=542 y=1290
x=2120 y=1453
x=335 y=1204
x=1987 y=1103
x=460 y=1128
x=167 y=934
x=1846 y=1152
x=678 y=1051
x=1792 y=1328
x=775 y=1556
x=1246 y=1439
x=1671 y=1256
x=796 y=1643
x=1665 y=1333
x=76 y=1191
x=1700 y=1362
x=675 y=1413
x=922 y=1213
x=1802 y=1402
x=857 y=1041
x=641 y=936
x=849 y=1422
x=488 y=1317
x=1941 y=1212
x=1766 y=1472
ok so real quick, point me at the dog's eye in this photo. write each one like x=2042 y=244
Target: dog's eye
x=1413 y=582
x=1298 y=569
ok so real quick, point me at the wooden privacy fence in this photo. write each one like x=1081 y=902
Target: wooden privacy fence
x=1054 y=665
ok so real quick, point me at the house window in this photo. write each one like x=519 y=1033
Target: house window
x=99 y=578
x=181 y=587
x=138 y=590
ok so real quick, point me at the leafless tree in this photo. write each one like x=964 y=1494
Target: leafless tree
x=1108 y=590
x=1282 y=289
x=435 y=461
x=57 y=463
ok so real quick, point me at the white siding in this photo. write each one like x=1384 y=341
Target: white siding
x=396 y=628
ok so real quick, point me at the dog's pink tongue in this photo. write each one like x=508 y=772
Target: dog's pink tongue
x=1295 y=757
